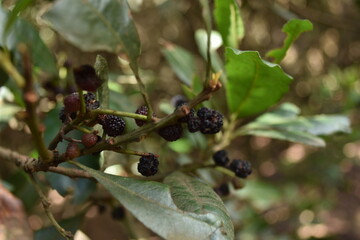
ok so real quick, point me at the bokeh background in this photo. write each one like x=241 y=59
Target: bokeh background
x=295 y=191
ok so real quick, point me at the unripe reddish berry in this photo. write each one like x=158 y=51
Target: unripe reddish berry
x=72 y=103
x=89 y=139
x=72 y=150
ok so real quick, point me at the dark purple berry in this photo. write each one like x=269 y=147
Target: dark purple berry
x=90 y=101
x=72 y=151
x=223 y=190
x=171 y=133
x=148 y=165
x=241 y=168
x=193 y=124
x=143 y=110
x=221 y=158
x=113 y=125
x=86 y=78
x=190 y=115
x=64 y=116
x=211 y=120
x=89 y=139
x=118 y=213
x=72 y=103
x=178 y=100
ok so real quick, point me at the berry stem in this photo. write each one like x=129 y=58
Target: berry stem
x=118 y=113
x=82 y=101
x=132 y=152
x=10 y=69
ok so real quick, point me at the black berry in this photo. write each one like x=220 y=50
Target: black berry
x=241 y=168
x=86 y=78
x=148 y=165
x=223 y=190
x=113 y=125
x=72 y=103
x=118 y=213
x=211 y=120
x=89 y=139
x=221 y=158
x=188 y=117
x=178 y=100
x=65 y=116
x=171 y=133
x=72 y=150
x=90 y=101
x=143 y=110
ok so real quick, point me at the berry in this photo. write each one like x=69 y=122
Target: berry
x=118 y=213
x=86 y=78
x=178 y=100
x=211 y=120
x=223 y=190
x=241 y=168
x=148 y=165
x=72 y=150
x=194 y=124
x=89 y=139
x=63 y=115
x=190 y=115
x=113 y=125
x=90 y=101
x=171 y=133
x=221 y=158
x=143 y=110
x=72 y=103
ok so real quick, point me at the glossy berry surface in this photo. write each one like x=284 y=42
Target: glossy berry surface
x=241 y=168
x=221 y=158
x=211 y=120
x=148 y=165
x=171 y=133
x=72 y=103
x=86 y=78
x=113 y=125
x=72 y=150
x=89 y=139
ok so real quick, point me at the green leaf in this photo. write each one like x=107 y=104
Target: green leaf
x=192 y=195
x=253 y=84
x=95 y=25
x=152 y=204
x=181 y=61
x=102 y=70
x=284 y=123
x=293 y=29
x=229 y=22
x=20 y=6
x=23 y=32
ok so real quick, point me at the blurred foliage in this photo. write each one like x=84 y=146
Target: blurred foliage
x=296 y=191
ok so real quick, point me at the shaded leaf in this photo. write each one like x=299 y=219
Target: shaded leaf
x=23 y=32
x=253 y=84
x=229 y=22
x=152 y=204
x=181 y=61
x=95 y=25
x=102 y=70
x=192 y=195
x=293 y=29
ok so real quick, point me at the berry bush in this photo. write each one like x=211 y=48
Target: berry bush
x=171 y=166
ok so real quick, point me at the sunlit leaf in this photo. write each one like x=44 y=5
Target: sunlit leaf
x=293 y=29
x=253 y=84
x=146 y=199
x=229 y=22
x=95 y=25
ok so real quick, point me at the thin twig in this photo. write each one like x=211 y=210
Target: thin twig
x=70 y=172
x=46 y=204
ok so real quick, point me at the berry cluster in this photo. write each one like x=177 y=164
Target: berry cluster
x=148 y=165
x=241 y=168
x=205 y=120
x=113 y=125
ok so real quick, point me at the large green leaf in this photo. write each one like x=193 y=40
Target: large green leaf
x=152 y=204
x=192 y=195
x=284 y=123
x=293 y=29
x=23 y=32
x=229 y=22
x=181 y=61
x=253 y=84
x=95 y=25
